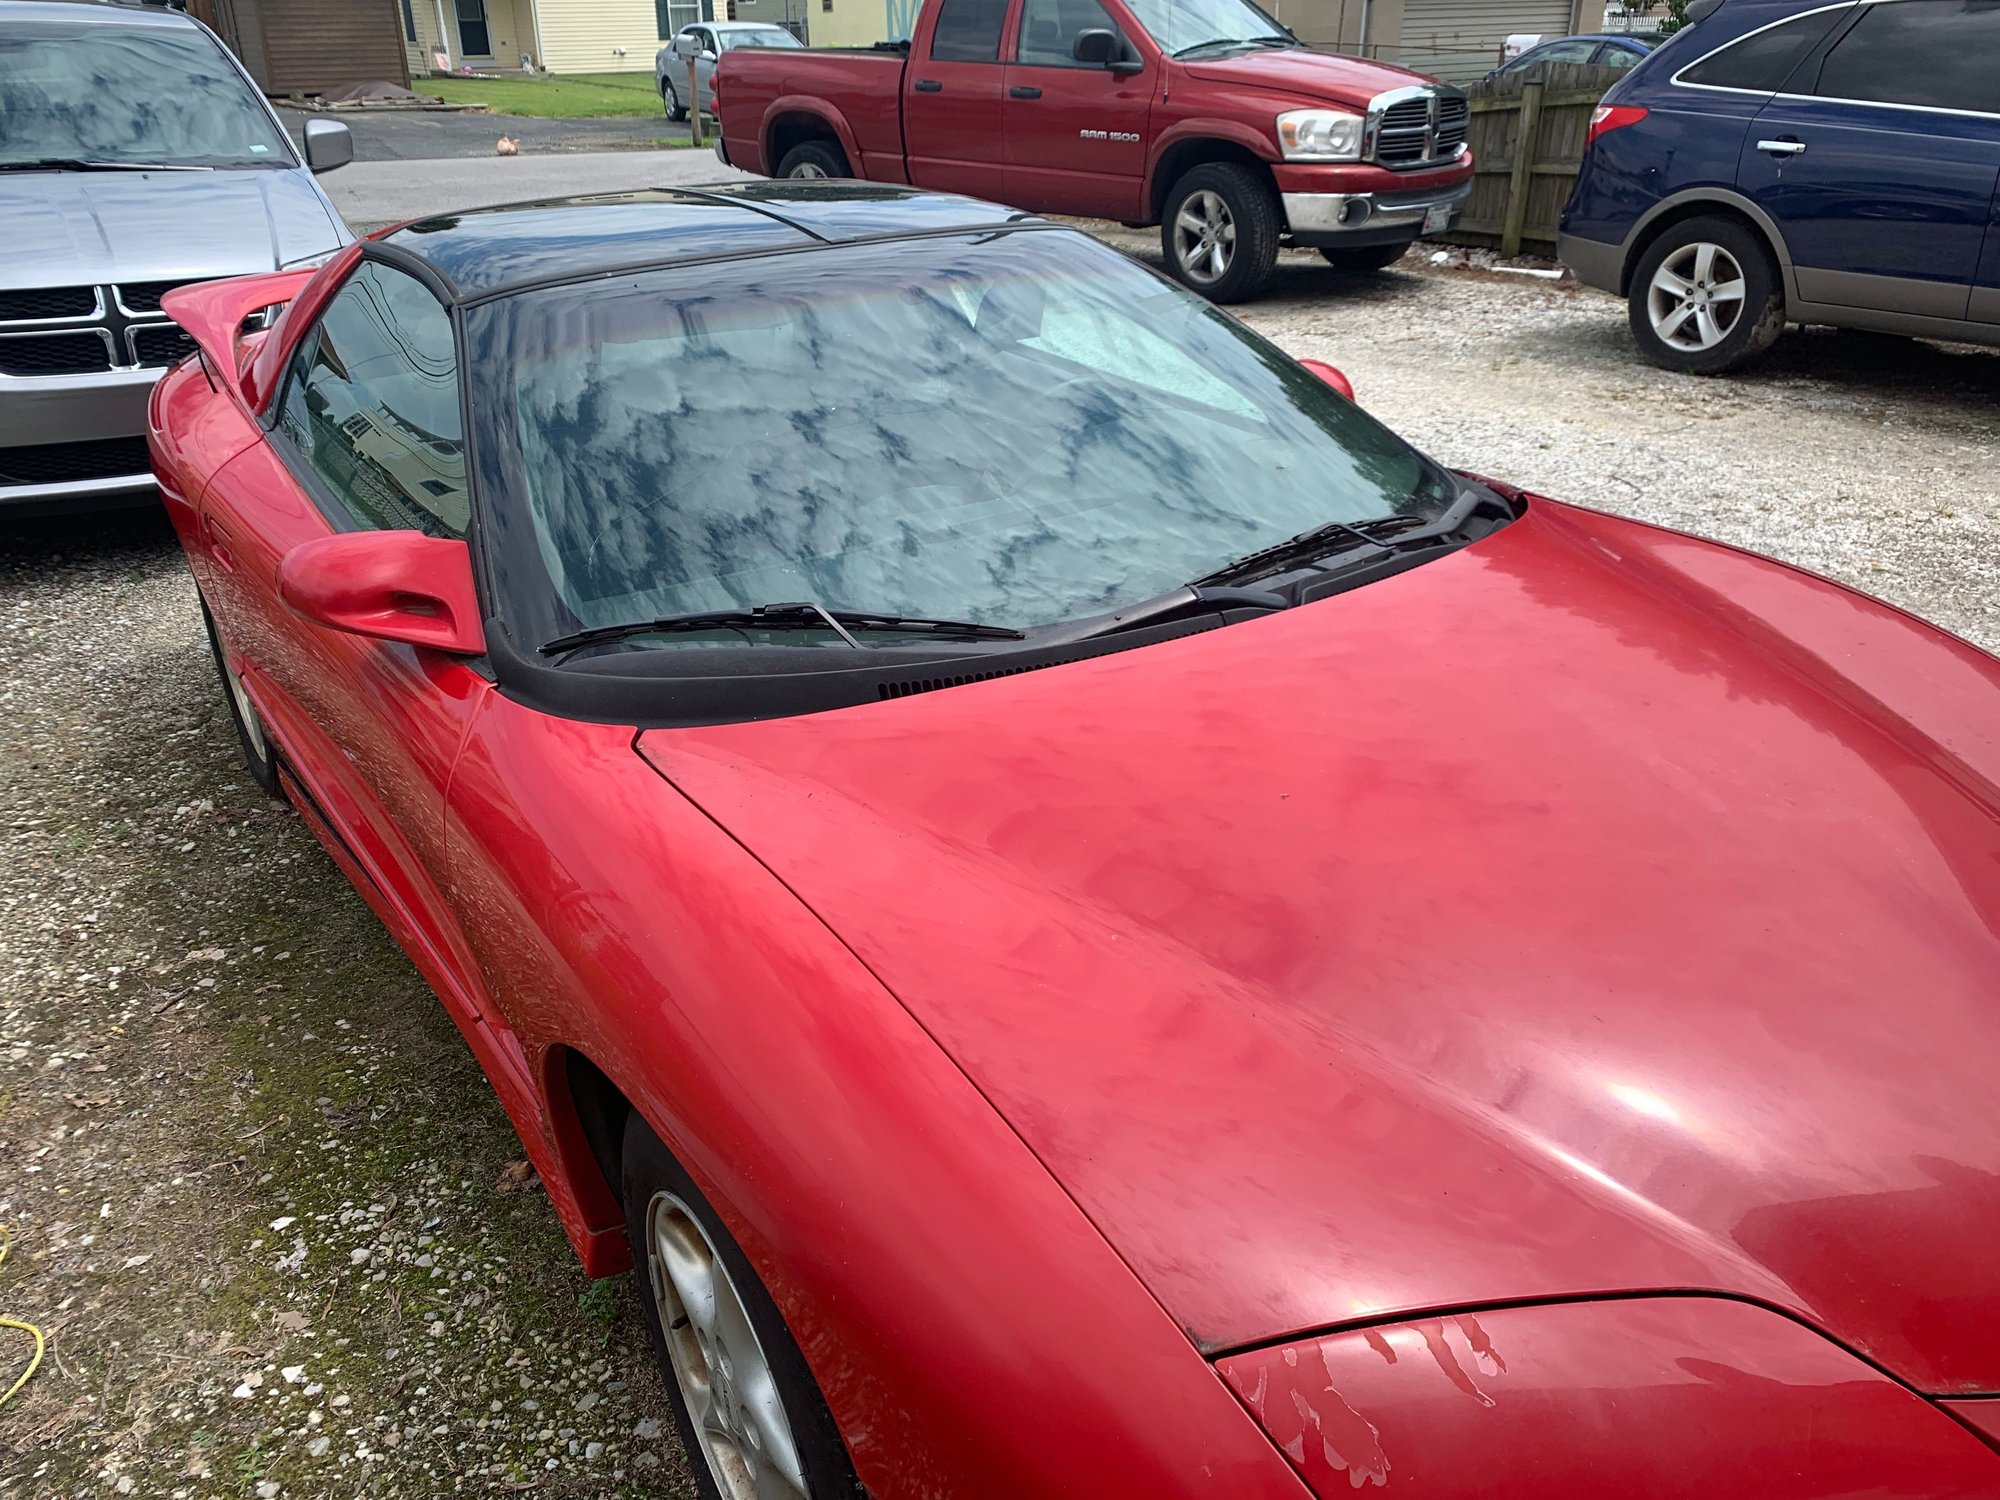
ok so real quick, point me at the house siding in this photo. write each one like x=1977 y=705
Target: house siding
x=510 y=32
x=584 y=36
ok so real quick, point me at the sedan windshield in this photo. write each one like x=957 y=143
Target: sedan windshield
x=756 y=36
x=128 y=95
x=1212 y=27
x=1013 y=430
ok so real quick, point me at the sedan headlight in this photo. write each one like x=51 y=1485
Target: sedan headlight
x=1319 y=135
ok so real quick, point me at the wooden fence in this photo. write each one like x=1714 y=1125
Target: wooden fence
x=1528 y=135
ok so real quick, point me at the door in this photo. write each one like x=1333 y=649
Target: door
x=367 y=437
x=1985 y=306
x=474 y=39
x=1076 y=133
x=704 y=67
x=953 y=87
x=1879 y=162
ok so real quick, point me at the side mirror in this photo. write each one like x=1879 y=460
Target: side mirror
x=329 y=144
x=392 y=585
x=1097 y=47
x=706 y=55
x=1331 y=376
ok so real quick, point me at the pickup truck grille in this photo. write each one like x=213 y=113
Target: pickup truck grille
x=1419 y=129
x=81 y=330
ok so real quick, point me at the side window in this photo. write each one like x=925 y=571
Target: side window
x=1562 y=52
x=968 y=30
x=1049 y=29
x=1764 y=60
x=371 y=406
x=1611 y=55
x=1942 y=54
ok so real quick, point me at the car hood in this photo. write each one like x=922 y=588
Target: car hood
x=70 y=228
x=1351 y=81
x=1591 y=910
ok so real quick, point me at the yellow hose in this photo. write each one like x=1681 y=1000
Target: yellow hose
x=41 y=1343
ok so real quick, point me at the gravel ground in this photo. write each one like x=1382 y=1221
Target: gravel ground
x=265 y=1204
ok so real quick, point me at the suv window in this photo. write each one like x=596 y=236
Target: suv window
x=1937 y=53
x=371 y=406
x=968 y=31
x=1049 y=30
x=1764 y=60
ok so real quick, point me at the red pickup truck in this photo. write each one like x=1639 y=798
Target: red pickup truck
x=1206 y=117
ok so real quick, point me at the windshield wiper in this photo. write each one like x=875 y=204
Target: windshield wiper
x=1236 y=41
x=1368 y=541
x=1189 y=599
x=801 y=616
x=85 y=164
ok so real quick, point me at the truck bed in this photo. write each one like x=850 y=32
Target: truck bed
x=860 y=87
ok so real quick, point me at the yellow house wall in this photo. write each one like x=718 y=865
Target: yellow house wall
x=585 y=36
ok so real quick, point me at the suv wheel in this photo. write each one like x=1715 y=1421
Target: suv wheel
x=1705 y=298
x=1220 y=231
x=813 y=159
x=752 y=1418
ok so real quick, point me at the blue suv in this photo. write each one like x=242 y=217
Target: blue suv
x=1786 y=161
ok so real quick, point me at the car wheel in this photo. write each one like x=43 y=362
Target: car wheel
x=1705 y=298
x=259 y=757
x=749 y=1412
x=1220 y=231
x=1369 y=258
x=814 y=159
x=671 y=97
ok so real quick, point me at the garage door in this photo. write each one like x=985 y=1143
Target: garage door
x=320 y=46
x=1460 y=39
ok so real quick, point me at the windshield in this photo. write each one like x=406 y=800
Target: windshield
x=762 y=36
x=131 y=94
x=1181 y=26
x=1012 y=430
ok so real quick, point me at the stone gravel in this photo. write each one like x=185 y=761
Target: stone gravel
x=264 y=1202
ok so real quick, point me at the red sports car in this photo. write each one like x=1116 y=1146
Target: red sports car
x=1090 y=922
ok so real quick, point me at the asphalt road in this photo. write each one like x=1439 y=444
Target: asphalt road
x=422 y=135
x=372 y=193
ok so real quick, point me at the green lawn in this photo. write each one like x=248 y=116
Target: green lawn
x=576 y=96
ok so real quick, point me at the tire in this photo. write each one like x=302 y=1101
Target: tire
x=664 y=1208
x=1366 y=259
x=671 y=98
x=814 y=159
x=259 y=757
x=1705 y=298
x=1221 y=211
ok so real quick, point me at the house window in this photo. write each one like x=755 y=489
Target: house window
x=409 y=22
x=827 y=6
x=662 y=22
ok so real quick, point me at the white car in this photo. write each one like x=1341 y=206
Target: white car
x=710 y=39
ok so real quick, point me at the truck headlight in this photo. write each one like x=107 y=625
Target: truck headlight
x=1319 y=135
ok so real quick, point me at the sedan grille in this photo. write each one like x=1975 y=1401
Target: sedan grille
x=144 y=296
x=1422 y=129
x=80 y=353
x=64 y=463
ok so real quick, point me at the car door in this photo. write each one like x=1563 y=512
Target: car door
x=704 y=67
x=366 y=435
x=952 y=93
x=1880 y=160
x=1077 y=134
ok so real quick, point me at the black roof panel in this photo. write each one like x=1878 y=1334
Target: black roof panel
x=490 y=250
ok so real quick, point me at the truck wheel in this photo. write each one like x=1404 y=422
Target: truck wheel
x=1705 y=298
x=1220 y=231
x=671 y=98
x=814 y=159
x=750 y=1415
x=1370 y=258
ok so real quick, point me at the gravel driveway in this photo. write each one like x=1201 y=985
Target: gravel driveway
x=264 y=1203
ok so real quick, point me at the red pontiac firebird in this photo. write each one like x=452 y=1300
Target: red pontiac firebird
x=1090 y=922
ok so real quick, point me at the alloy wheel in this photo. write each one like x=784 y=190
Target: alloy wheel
x=1696 y=297
x=1205 y=236
x=726 y=1382
x=253 y=723
x=807 y=169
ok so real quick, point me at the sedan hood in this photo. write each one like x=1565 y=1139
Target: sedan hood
x=1351 y=81
x=72 y=228
x=1592 y=910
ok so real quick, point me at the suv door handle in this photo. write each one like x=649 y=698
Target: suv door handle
x=1024 y=91
x=928 y=86
x=1788 y=146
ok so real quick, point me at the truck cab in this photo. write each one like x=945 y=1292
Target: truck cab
x=1210 y=120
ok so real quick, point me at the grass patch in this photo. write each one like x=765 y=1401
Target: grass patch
x=578 y=96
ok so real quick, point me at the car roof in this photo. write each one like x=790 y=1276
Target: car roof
x=15 y=13
x=739 y=25
x=495 y=251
